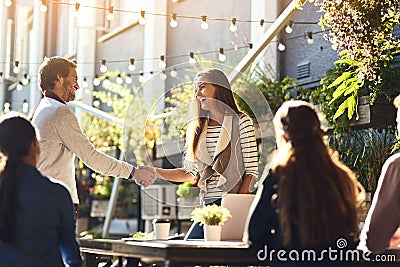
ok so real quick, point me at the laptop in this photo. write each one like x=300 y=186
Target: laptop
x=239 y=206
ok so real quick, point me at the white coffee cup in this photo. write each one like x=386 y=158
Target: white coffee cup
x=161 y=228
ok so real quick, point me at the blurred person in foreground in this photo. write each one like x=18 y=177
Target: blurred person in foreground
x=309 y=199
x=381 y=229
x=37 y=225
x=221 y=148
x=61 y=138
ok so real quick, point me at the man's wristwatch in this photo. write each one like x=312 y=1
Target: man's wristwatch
x=132 y=173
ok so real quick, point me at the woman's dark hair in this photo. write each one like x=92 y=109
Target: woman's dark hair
x=16 y=136
x=50 y=68
x=315 y=188
x=226 y=102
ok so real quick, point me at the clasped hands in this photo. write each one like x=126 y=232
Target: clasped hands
x=145 y=175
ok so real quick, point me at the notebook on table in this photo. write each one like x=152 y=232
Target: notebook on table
x=239 y=206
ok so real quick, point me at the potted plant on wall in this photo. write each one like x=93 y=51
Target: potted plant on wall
x=212 y=217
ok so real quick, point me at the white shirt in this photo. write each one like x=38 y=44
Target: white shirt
x=61 y=139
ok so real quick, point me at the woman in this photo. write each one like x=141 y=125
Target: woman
x=221 y=148
x=37 y=226
x=309 y=199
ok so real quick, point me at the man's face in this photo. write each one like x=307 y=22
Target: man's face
x=69 y=85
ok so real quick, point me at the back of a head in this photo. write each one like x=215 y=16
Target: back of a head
x=16 y=135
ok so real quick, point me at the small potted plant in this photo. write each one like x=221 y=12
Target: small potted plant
x=212 y=217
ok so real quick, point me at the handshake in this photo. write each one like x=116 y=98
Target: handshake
x=145 y=175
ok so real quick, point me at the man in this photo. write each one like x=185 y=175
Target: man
x=61 y=138
x=383 y=219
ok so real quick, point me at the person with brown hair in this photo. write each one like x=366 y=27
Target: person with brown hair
x=381 y=228
x=37 y=226
x=61 y=138
x=309 y=198
x=221 y=148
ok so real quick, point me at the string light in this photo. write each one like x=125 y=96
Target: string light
x=16 y=68
x=77 y=6
x=281 y=47
x=289 y=27
x=131 y=66
x=110 y=14
x=173 y=23
x=103 y=67
x=162 y=64
x=204 y=23
x=19 y=86
x=128 y=79
x=310 y=39
x=233 y=27
x=85 y=83
x=106 y=83
x=7 y=107
x=119 y=79
x=142 y=19
x=261 y=27
x=221 y=55
x=25 y=80
x=141 y=77
x=192 y=60
x=96 y=103
x=43 y=6
x=96 y=81
x=163 y=75
x=25 y=106
x=174 y=73
x=8 y=3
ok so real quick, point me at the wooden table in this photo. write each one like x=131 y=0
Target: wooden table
x=167 y=253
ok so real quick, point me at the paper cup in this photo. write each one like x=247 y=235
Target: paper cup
x=161 y=228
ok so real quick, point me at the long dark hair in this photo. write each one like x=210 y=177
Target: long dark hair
x=225 y=104
x=315 y=188
x=16 y=136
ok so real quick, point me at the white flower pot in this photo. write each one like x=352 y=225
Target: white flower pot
x=212 y=232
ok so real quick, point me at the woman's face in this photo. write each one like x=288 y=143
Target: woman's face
x=204 y=93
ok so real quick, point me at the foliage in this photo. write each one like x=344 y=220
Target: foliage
x=363 y=31
x=365 y=151
x=187 y=190
x=211 y=215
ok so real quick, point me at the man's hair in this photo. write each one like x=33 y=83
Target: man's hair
x=50 y=68
x=396 y=101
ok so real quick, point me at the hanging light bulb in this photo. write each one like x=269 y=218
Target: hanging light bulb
x=96 y=103
x=162 y=64
x=128 y=79
x=119 y=79
x=96 y=81
x=174 y=73
x=281 y=47
x=192 y=60
x=106 y=83
x=261 y=27
x=77 y=6
x=19 y=86
x=7 y=107
x=103 y=67
x=221 y=55
x=110 y=14
x=16 y=68
x=25 y=80
x=289 y=27
x=141 y=77
x=310 y=39
x=25 y=106
x=131 y=66
x=8 y=3
x=250 y=46
x=163 y=75
x=85 y=83
x=173 y=23
x=43 y=6
x=142 y=19
x=233 y=27
x=204 y=23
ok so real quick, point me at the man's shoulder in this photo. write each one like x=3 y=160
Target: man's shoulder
x=50 y=108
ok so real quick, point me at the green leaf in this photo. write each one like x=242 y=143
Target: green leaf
x=351 y=106
x=340 y=79
x=352 y=88
x=347 y=60
x=340 y=109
